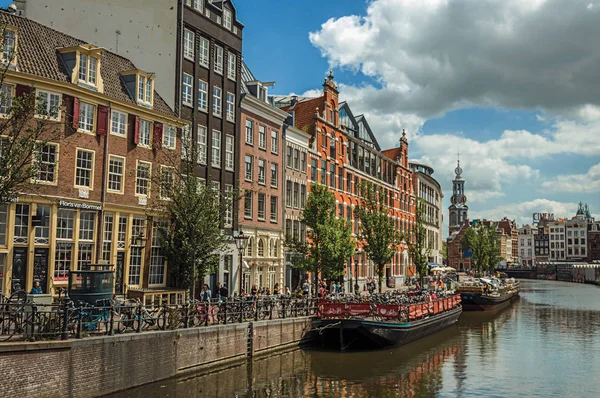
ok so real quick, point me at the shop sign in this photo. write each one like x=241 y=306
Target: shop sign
x=537 y=217
x=82 y=206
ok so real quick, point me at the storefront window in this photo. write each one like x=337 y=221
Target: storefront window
x=2 y=270
x=22 y=224
x=86 y=225
x=3 y=224
x=157 y=261
x=84 y=256
x=135 y=265
x=108 y=236
x=122 y=236
x=63 y=259
x=64 y=224
x=42 y=232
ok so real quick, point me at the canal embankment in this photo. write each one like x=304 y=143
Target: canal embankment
x=103 y=365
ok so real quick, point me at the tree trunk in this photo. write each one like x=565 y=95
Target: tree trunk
x=380 y=281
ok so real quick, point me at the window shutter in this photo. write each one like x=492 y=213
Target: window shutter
x=75 y=113
x=136 y=130
x=21 y=90
x=102 y=127
x=158 y=134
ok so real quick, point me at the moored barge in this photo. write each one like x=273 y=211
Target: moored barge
x=485 y=294
x=370 y=325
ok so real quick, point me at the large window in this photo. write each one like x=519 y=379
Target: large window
x=218 y=59
x=63 y=259
x=296 y=195
x=86 y=117
x=21 y=230
x=229 y=145
x=144 y=89
x=249 y=132
x=189 y=40
x=48 y=104
x=261 y=206
x=262 y=171
x=166 y=182
x=302 y=196
x=313 y=169
x=231 y=65
x=262 y=137
x=186 y=92
x=8 y=46
x=156 y=274
x=65 y=222
x=116 y=166
x=186 y=143
x=6 y=95
x=288 y=157
x=46 y=163
x=86 y=225
x=88 y=67
x=248 y=204
x=216 y=149
x=118 y=123
x=202 y=96
x=274 y=175
x=42 y=232
x=84 y=168
x=228 y=218
x=203 y=52
x=142 y=181
x=3 y=223
x=201 y=145
x=217 y=101
x=135 y=265
x=296 y=159
x=169 y=138
x=288 y=193
x=230 y=107
x=274 y=208
x=227 y=19
x=274 y=141
x=145 y=127
x=122 y=233
x=248 y=168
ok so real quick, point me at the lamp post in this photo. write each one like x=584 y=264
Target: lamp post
x=350 y=275
x=356 y=287
x=241 y=242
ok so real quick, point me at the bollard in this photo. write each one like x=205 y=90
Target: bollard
x=139 y=325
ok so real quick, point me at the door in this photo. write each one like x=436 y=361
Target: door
x=119 y=270
x=213 y=284
x=40 y=268
x=19 y=269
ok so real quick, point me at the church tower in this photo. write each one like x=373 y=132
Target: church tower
x=458 y=209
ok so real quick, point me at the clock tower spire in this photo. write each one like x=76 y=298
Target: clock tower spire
x=458 y=209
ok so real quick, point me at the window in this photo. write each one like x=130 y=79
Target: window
x=216 y=149
x=86 y=117
x=248 y=168
x=3 y=223
x=86 y=225
x=231 y=107
x=46 y=164
x=249 y=132
x=63 y=260
x=144 y=90
x=288 y=193
x=197 y=4
x=303 y=162
x=135 y=265
x=84 y=169
x=313 y=169
x=108 y=236
x=217 y=101
x=274 y=142
x=274 y=208
x=186 y=92
x=296 y=159
x=116 y=165
x=227 y=19
x=231 y=65
x=202 y=96
x=65 y=222
x=142 y=181
x=21 y=230
x=186 y=142
x=228 y=218
x=340 y=210
x=88 y=67
x=261 y=206
x=169 y=137
x=288 y=157
x=157 y=261
x=229 y=145
x=166 y=182
x=6 y=94
x=201 y=141
x=144 y=133
x=118 y=123
x=8 y=46
x=323 y=172
x=261 y=249
x=188 y=44
x=218 y=66
x=274 y=175
x=302 y=196
x=122 y=233
x=203 y=52
x=262 y=137
x=262 y=172
x=248 y=204
x=48 y=104
x=296 y=195
x=332 y=175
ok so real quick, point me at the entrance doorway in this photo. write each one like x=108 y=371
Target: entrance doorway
x=120 y=268
x=19 y=269
x=40 y=268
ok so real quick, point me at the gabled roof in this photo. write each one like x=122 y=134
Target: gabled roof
x=392 y=153
x=37 y=55
x=304 y=113
x=362 y=119
x=246 y=76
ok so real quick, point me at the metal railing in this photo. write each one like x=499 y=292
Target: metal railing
x=22 y=320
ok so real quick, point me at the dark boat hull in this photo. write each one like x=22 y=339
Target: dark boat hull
x=480 y=302
x=350 y=333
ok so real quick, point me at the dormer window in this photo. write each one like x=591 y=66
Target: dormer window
x=9 y=44
x=227 y=19
x=88 y=69
x=144 y=90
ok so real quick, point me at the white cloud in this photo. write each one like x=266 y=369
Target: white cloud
x=588 y=182
x=523 y=212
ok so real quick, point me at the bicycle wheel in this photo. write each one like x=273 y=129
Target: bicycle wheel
x=123 y=322
x=161 y=318
x=8 y=328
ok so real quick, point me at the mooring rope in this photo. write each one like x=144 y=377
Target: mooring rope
x=326 y=326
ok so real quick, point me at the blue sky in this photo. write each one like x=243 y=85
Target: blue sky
x=507 y=82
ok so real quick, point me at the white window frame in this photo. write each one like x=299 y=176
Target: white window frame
x=41 y=162
x=145 y=133
x=262 y=138
x=215 y=159
x=264 y=210
x=250 y=129
x=262 y=171
x=274 y=181
x=52 y=112
x=84 y=169
x=6 y=97
x=231 y=65
x=201 y=138
x=113 y=174
x=197 y=5
x=218 y=60
x=9 y=44
x=227 y=18
x=88 y=73
x=166 y=171
x=217 y=101
x=189 y=40
x=169 y=138
x=273 y=215
x=202 y=95
x=228 y=218
x=118 y=120
x=144 y=94
x=248 y=174
x=230 y=107
x=84 y=117
x=274 y=141
x=204 y=52
x=139 y=179
x=187 y=89
x=229 y=149
x=186 y=142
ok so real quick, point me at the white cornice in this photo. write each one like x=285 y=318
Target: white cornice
x=264 y=110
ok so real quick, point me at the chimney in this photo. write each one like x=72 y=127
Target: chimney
x=294 y=100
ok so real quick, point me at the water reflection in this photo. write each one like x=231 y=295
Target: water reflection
x=545 y=344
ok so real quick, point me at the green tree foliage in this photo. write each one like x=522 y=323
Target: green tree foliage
x=418 y=248
x=329 y=241
x=378 y=231
x=483 y=243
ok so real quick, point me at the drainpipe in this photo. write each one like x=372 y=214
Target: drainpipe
x=179 y=60
x=100 y=239
x=283 y=199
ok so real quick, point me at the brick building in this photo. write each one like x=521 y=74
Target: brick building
x=92 y=195
x=526 y=249
x=510 y=229
x=260 y=214
x=346 y=153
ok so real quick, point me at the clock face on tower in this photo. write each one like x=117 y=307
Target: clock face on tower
x=458 y=171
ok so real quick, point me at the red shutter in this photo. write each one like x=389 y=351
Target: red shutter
x=75 y=113
x=158 y=134
x=136 y=130
x=21 y=90
x=102 y=126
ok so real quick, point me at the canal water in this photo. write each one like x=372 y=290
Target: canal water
x=546 y=344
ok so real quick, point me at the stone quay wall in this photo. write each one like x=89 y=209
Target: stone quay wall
x=97 y=366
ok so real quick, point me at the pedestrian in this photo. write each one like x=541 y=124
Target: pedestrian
x=276 y=289
x=206 y=293
x=288 y=292
x=224 y=292
x=36 y=289
x=305 y=288
x=254 y=291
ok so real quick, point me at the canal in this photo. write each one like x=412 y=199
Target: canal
x=546 y=344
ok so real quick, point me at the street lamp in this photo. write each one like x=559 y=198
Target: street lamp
x=349 y=275
x=241 y=242
x=356 y=287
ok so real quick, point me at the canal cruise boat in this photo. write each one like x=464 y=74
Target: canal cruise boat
x=374 y=325
x=485 y=294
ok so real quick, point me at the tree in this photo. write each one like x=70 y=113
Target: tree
x=378 y=230
x=418 y=247
x=483 y=243
x=329 y=239
x=27 y=126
